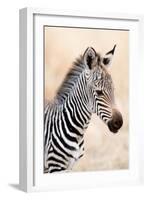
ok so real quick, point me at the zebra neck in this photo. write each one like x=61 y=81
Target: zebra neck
x=77 y=104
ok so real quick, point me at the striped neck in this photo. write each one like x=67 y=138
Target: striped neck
x=77 y=103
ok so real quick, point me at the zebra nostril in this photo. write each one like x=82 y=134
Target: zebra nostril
x=117 y=123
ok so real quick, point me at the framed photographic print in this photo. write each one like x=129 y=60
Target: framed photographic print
x=81 y=124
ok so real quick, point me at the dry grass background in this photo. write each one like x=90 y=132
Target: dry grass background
x=103 y=150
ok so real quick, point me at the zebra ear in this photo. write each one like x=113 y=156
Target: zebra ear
x=107 y=60
x=89 y=57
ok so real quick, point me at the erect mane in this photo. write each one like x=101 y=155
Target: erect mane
x=70 y=79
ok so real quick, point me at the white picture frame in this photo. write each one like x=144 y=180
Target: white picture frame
x=31 y=101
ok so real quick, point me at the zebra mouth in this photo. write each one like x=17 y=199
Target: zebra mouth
x=114 y=127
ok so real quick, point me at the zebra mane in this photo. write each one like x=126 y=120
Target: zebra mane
x=70 y=80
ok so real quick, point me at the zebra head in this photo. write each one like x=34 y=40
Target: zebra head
x=101 y=89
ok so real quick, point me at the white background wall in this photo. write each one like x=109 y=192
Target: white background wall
x=9 y=98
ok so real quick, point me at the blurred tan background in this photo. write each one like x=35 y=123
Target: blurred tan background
x=103 y=150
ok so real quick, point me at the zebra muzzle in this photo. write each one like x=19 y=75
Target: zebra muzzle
x=116 y=122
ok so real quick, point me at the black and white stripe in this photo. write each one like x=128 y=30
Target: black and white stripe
x=66 y=119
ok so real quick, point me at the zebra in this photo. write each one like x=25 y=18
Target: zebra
x=88 y=88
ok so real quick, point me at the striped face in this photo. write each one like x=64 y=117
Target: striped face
x=101 y=89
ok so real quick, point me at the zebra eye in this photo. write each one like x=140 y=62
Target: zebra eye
x=99 y=92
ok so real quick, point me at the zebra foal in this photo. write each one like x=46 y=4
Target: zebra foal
x=88 y=88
